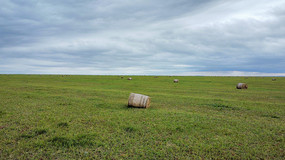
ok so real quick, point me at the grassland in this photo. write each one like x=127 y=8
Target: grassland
x=86 y=117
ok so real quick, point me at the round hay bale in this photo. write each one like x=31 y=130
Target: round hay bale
x=130 y=78
x=273 y=79
x=176 y=80
x=122 y=77
x=138 y=101
x=242 y=86
x=155 y=77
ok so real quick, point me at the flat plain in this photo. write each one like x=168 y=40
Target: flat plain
x=86 y=117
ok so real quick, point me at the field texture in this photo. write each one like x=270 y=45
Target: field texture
x=86 y=117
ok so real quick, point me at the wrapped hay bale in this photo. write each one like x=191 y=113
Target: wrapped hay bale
x=130 y=78
x=242 y=86
x=175 y=80
x=138 y=101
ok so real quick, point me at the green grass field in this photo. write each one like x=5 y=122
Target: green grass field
x=86 y=117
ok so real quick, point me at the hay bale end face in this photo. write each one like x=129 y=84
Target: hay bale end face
x=138 y=101
x=241 y=86
x=130 y=78
x=175 y=80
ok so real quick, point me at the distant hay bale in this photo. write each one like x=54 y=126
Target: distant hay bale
x=155 y=77
x=122 y=77
x=138 y=101
x=176 y=80
x=130 y=78
x=273 y=79
x=242 y=86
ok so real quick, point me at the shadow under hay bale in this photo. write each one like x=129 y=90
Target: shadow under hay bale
x=175 y=80
x=242 y=86
x=138 y=101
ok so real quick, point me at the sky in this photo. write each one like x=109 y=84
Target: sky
x=143 y=37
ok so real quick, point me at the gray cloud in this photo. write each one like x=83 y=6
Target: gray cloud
x=142 y=37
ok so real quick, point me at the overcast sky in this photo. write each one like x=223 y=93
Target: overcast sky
x=144 y=37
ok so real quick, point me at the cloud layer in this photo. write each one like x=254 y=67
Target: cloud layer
x=144 y=37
